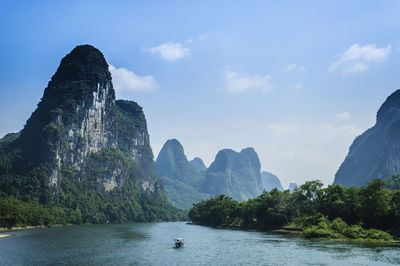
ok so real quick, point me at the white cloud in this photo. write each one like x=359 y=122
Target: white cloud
x=126 y=81
x=236 y=82
x=294 y=67
x=171 y=51
x=343 y=116
x=358 y=58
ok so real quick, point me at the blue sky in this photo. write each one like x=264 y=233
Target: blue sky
x=296 y=80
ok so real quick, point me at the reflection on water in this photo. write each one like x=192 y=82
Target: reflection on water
x=152 y=244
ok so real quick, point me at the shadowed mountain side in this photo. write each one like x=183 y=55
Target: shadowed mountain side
x=376 y=152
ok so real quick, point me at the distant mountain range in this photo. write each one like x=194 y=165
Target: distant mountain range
x=235 y=174
x=376 y=152
x=182 y=180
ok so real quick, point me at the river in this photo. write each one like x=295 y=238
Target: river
x=151 y=244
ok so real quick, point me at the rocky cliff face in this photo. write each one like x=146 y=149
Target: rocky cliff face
x=234 y=174
x=376 y=152
x=181 y=179
x=80 y=132
x=270 y=181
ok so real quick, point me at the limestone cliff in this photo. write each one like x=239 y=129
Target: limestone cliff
x=376 y=152
x=80 y=139
x=79 y=117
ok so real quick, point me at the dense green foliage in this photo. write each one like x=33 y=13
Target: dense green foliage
x=339 y=229
x=393 y=182
x=81 y=201
x=332 y=212
x=14 y=212
x=89 y=208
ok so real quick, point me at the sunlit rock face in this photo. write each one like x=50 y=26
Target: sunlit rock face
x=376 y=152
x=83 y=133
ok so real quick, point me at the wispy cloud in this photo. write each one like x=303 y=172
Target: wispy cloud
x=343 y=116
x=236 y=82
x=126 y=81
x=294 y=67
x=358 y=58
x=170 y=51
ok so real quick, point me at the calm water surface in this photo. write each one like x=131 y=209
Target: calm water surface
x=151 y=244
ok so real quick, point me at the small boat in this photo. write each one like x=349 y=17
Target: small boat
x=179 y=242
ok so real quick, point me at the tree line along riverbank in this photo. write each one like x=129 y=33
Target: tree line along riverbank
x=371 y=212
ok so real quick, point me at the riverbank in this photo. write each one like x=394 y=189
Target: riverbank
x=281 y=230
x=29 y=227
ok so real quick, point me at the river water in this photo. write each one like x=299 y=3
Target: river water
x=152 y=244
